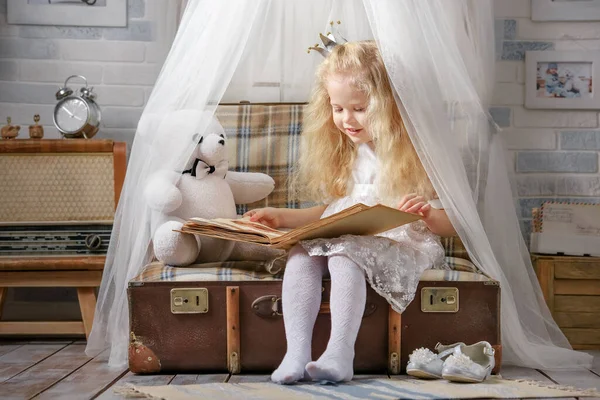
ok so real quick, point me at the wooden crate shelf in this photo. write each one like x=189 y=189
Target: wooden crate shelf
x=571 y=288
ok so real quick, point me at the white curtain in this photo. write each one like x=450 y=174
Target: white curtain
x=180 y=8
x=439 y=56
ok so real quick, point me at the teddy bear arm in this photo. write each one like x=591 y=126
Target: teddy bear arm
x=248 y=187
x=162 y=194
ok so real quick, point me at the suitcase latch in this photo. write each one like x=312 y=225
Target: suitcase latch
x=267 y=306
x=439 y=299
x=189 y=301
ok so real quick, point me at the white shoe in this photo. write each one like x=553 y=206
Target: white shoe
x=423 y=363
x=471 y=364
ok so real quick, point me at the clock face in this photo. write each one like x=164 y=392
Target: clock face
x=71 y=114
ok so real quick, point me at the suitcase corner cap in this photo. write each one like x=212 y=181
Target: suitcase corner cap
x=142 y=360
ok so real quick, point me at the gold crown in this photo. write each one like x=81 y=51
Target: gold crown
x=332 y=39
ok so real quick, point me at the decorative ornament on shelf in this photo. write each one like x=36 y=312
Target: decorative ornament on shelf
x=36 y=131
x=10 y=131
x=330 y=40
x=77 y=116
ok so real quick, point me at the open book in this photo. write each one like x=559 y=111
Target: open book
x=356 y=220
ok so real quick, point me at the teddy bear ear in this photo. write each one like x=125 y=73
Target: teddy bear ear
x=197 y=138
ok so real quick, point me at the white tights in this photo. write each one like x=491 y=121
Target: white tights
x=301 y=300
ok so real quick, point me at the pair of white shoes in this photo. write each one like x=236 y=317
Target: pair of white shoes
x=455 y=362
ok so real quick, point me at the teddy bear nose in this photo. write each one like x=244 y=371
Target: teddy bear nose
x=222 y=142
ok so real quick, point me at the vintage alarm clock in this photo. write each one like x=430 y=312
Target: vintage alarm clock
x=77 y=116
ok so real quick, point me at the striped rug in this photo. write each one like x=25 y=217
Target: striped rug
x=403 y=388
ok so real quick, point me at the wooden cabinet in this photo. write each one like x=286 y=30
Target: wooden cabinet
x=57 y=204
x=571 y=288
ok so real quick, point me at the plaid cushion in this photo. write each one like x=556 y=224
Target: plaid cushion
x=265 y=138
x=250 y=271
x=455 y=248
x=225 y=271
x=461 y=264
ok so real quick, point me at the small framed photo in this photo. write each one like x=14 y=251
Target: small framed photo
x=565 y=10
x=562 y=79
x=68 y=12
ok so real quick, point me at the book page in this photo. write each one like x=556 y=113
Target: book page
x=239 y=225
x=247 y=225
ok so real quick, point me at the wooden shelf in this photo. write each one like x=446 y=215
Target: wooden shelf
x=571 y=288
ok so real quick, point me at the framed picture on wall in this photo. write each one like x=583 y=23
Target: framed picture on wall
x=68 y=12
x=562 y=79
x=565 y=10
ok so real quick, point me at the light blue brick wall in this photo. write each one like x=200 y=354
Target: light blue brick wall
x=504 y=29
x=515 y=49
x=135 y=30
x=550 y=161
x=509 y=29
x=558 y=185
x=501 y=115
x=136 y=9
x=526 y=225
x=580 y=140
x=568 y=171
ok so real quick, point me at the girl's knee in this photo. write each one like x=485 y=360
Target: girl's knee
x=297 y=252
x=343 y=263
x=299 y=259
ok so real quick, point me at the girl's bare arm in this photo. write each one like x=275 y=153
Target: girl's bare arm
x=286 y=217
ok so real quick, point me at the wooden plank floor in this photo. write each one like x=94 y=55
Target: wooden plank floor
x=62 y=370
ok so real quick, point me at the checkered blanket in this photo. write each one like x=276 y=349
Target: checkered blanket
x=462 y=270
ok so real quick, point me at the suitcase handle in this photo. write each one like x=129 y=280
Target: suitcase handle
x=269 y=306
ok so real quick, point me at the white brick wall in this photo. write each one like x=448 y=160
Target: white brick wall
x=509 y=93
x=553 y=152
x=524 y=118
x=512 y=8
x=529 y=29
x=121 y=64
x=529 y=139
x=506 y=71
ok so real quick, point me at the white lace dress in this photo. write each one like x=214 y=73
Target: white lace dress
x=394 y=260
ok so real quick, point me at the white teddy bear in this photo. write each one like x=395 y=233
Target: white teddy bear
x=205 y=188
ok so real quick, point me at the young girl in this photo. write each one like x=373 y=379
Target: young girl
x=355 y=148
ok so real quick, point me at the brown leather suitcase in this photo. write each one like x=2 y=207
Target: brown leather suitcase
x=234 y=322
x=237 y=326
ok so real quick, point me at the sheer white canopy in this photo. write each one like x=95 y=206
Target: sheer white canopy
x=440 y=59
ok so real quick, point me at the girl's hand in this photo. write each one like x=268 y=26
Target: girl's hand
x=268 y=216
x=411 y=203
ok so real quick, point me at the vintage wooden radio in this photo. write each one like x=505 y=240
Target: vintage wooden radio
x=57 y=203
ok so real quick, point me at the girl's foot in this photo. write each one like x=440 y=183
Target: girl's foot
x=291 y=370
x=332 y=368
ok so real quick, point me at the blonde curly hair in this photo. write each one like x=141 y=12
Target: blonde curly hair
x=327 y=154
